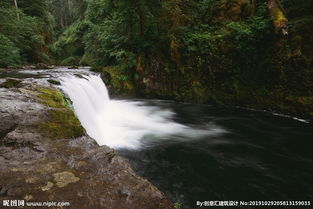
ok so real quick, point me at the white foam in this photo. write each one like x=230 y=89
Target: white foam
x=123 y=123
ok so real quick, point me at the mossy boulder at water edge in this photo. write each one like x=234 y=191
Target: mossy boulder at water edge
x=53 y=98
x=62 y=121
x=62 y=124
x=44 y=148
x=10 y=83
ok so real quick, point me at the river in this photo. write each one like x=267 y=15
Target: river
x=195 y=152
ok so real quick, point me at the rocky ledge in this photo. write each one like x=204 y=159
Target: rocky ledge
x=45 y=155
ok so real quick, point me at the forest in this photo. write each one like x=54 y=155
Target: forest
x=235 y=52
x=156 y=104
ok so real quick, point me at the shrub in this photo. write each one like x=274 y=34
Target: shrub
x=9 y=53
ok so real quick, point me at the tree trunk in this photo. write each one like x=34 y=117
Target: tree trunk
x=16 y=6
x=278 y=16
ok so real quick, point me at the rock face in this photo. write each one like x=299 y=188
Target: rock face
x=35 y=167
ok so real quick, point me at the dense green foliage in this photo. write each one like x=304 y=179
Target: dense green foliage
x=9 y=53
x=66 y=12
x=30 y=33
x=69 y=47
x=70 y=27
x=121 y=30
x=25 y=38
x=222 y=51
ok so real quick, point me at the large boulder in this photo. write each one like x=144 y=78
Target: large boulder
x=36 y=166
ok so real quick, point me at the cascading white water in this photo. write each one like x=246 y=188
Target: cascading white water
x=122 y=123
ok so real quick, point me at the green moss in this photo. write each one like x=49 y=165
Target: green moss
x=63 y=124
x=53 y=98
x=10 y=83
x=54 y=82
x=119 y=80
x=62 y=121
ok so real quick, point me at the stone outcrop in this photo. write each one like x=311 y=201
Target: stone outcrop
x=36 y=166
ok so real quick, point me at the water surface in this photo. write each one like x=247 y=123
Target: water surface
x=260 y=157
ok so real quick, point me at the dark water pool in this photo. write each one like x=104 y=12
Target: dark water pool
x=260 y=157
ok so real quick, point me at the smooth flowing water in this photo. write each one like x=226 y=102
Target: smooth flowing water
x=196 y=152
x=260 y=157
x=200 y=152
x=123 y=123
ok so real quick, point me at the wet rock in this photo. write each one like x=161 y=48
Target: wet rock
x=54 y=82
x=37 y=66
x=73 y=67
x=10 y=83
x=43 y=66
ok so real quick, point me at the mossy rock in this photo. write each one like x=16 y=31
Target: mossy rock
x=11 y=83
x=121 y=83
x=53 y=98
x=54 y=82
x=62 y=123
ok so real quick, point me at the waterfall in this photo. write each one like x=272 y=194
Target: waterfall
x=121 y=123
